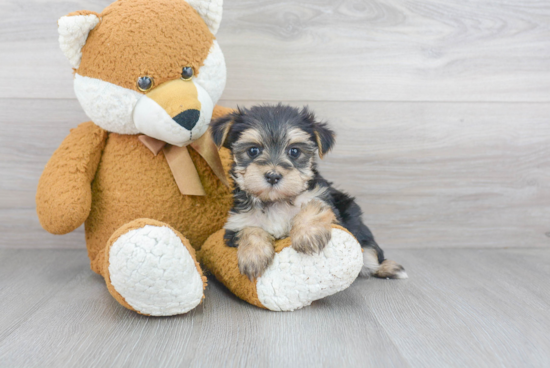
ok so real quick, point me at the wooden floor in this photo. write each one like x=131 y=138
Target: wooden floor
x=442 y=109
x=460 y=308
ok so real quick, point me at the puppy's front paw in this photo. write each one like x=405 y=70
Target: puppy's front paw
x=311 y=228
x=255 y=251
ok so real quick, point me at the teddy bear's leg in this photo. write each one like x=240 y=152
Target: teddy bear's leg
x=294 y=280
x=151 y=268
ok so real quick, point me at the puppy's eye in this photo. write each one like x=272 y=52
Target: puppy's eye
x=294 y=152
x=187 y=73
x=144 y=83
x=253 y=152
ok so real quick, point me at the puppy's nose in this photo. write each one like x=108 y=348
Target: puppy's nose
x=273 y=177
x=188 y=118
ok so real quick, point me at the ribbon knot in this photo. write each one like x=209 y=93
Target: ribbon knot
x=182 y=166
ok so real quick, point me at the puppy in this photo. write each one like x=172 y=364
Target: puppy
x=279 y=192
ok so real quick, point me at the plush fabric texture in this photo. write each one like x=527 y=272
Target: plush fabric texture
x=116 y=109
x=131 y=182
x=64 y=196
x=293 y=280
x=213 y=74
x=132 y=39
x=222 y=262
x=73 y=31
x=154 y=112
x=155 y=267
x=211 y=12
x=108 y=105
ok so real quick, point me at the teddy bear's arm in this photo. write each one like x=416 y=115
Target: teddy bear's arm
x=64 y=195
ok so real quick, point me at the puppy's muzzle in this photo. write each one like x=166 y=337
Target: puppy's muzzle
x=169 y=112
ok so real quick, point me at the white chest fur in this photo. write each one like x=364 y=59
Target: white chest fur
x=275 y=218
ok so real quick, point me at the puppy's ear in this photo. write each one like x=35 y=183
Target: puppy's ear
x=220 y=128
x=324 y=136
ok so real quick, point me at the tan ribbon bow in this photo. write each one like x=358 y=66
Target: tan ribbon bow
x=183 y=169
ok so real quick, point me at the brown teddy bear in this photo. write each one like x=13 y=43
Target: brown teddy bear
x=144 y=174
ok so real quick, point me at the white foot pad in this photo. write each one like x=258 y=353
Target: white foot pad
x=151 y=268
x=294 y=280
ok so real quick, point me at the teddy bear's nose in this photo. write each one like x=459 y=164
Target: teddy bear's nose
x=188 y=118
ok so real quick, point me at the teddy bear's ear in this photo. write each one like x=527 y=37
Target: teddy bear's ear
x=73 y=31
x=210 y=11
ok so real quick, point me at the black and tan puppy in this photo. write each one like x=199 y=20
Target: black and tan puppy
x=279 y=193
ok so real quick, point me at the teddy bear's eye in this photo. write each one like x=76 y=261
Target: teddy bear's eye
x=187 y=73
x=144 y=83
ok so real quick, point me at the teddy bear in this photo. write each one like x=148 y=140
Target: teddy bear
x=144 y=175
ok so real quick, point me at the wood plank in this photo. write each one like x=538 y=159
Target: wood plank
x=461 y=307
x=425 y=174
x=467 y=308
x=387 y=50
x=21 y=229
x=29 y=278
x=436 y=50
x=30 y=131
x=84 y=326
x=445 y=175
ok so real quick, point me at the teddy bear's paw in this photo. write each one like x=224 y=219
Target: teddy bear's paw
x=294 y=279
x=154 y=272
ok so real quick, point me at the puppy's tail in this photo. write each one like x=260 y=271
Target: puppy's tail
x=387 y=269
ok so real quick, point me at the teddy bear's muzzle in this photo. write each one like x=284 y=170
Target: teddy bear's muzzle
x=188 y=118
x=174 y=112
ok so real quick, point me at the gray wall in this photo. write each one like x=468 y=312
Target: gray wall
x=442 y=109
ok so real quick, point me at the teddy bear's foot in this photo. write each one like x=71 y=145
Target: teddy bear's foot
x=294 y=280
x=151 y=269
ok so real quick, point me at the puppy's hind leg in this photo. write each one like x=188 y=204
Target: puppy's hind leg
x=374 y=262
x=387 y=269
